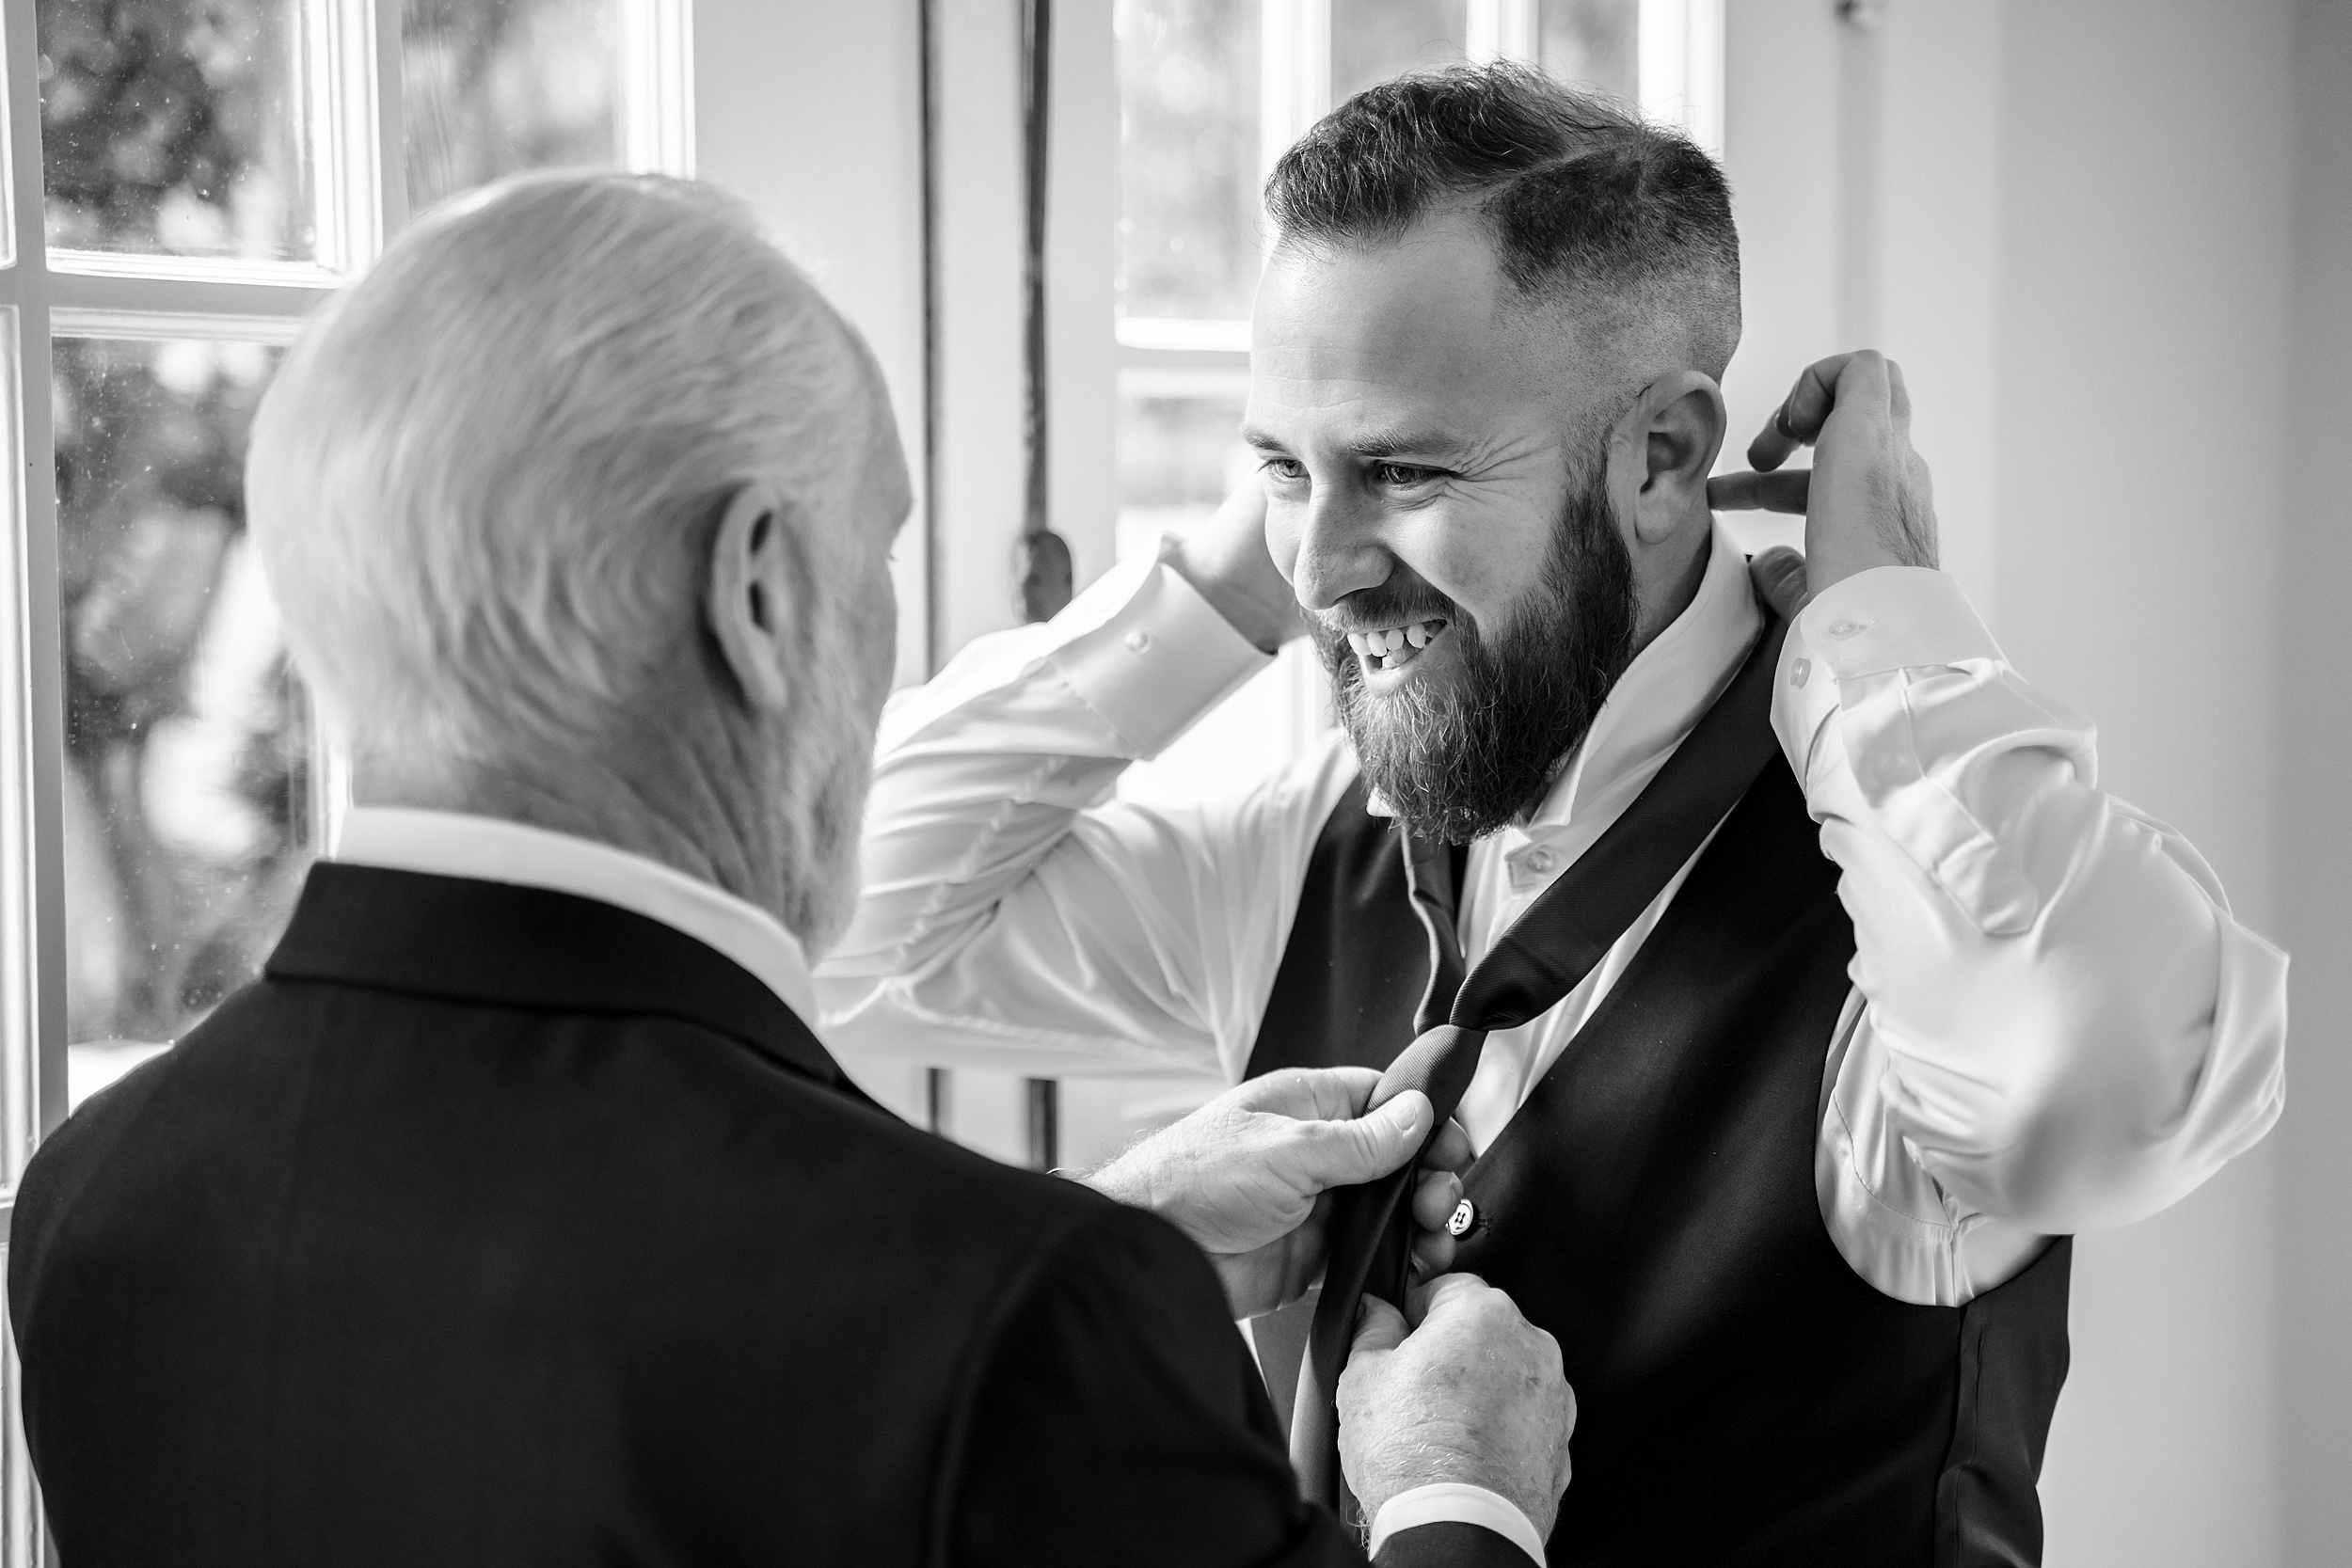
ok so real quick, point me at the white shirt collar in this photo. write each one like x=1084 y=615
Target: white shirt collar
x=454 y=844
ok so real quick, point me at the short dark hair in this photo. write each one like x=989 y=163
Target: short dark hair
x=1587 y=201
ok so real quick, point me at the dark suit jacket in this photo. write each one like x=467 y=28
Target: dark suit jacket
x=496 y=1226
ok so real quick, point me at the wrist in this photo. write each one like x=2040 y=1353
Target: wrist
x=1248 y=593
x=1122 y=1180
x=1434 y=1459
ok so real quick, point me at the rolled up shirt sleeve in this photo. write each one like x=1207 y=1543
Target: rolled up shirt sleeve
x=2060 y=1026
x=1013 y=914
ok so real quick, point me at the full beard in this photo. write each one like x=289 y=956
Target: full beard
x=1456 y=760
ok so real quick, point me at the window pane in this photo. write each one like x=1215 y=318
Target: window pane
x=1593 y=43
x=1180 y=450
x=1187 y=157
x=1375 y=40
x=494 y=87
x=187 y=742
x=176 y=127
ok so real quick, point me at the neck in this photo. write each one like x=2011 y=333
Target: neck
x=1667 y=575
x=660 y=795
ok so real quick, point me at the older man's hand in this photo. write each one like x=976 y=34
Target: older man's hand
x=1474 y=1394
x=1867 y=499
x=1245 y=1175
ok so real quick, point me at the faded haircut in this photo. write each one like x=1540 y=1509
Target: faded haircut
x=485 y=481
x=1625 y=224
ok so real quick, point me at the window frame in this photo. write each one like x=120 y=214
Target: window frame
x=351 y=95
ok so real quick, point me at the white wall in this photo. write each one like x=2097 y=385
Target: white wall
x=2076 y=241
x=2315 y=840
x=2141 y=334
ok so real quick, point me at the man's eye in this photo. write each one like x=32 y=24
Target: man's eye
x=1403 y=475
x=1288 y=470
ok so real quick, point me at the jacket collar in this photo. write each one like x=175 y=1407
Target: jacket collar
x=467 y=939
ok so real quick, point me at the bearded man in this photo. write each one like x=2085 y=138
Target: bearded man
x=1797 y=986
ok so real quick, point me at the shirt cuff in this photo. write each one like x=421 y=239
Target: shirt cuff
x=1454 y=1502
x=1887 y=618
x=1157 y=655
x=1892 y=618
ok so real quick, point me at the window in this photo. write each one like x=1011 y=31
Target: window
x=184 y=180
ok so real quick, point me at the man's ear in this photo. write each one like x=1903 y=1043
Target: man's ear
x=752 y=602
x=1663 y=450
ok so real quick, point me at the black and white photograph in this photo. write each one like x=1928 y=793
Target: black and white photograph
x=1176 y=783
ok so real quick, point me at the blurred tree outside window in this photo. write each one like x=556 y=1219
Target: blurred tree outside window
x=175 y=127
x=491 y=88
x=1375 y=40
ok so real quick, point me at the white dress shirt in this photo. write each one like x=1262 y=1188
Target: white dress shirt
x=453 y=843
x=2056 y=1024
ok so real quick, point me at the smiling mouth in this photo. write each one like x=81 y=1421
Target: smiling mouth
x=1394 y=647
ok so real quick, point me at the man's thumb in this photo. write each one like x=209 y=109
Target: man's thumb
x=1347 y=1153
x=1378 y=1327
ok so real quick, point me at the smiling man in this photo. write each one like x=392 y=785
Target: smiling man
x=1801 y=989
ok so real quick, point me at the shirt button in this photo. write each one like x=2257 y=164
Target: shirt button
x=1138 y=641
x=1844 y=628
x=1801 y=671
x=1464 y=1215
x=1541 y=861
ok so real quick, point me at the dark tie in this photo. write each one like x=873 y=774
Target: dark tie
x=1546 y=952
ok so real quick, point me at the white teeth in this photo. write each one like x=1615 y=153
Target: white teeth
x=1381 y=649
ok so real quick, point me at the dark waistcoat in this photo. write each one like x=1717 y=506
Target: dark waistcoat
x=1743 y=1397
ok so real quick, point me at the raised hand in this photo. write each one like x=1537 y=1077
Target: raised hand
x=1474 y=1394
x=1245 y=1175
x=1868 y=499
x=1226 y=561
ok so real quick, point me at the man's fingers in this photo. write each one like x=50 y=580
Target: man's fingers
x=1433 y=1252
x=1435 y=1195
x=1378 y=1327
x=1308 y=1094
x=1445 y=1291
x=1346 y=1154
x=1779 y=578
x=1786 y=491
x=1799 y=419
x=1865 y=381
x=1450 y=1149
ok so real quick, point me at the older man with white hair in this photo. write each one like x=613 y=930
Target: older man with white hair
x=514 y=1215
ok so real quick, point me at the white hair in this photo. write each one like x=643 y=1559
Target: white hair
x=485 y=480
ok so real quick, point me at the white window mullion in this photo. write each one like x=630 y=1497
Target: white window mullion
x=1681 y=60
x=658 y=86
x=32 y=731
x=32 y=749
x=1500 y=30
x=343 y=83
x=1294 y=73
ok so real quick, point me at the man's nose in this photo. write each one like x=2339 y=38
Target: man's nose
x=1340 y=552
